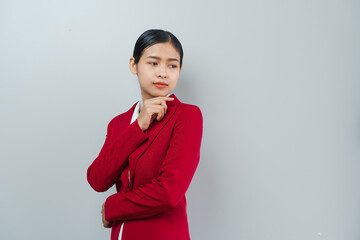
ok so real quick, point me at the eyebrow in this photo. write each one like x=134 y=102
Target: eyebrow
x=158 y=58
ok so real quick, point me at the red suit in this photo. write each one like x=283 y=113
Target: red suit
x=162 y=161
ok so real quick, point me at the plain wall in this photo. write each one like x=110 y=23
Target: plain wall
x=277 y=82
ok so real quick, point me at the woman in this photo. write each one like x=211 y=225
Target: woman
x=151 y=151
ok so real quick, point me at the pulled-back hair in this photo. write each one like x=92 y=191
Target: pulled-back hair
x=153 y=36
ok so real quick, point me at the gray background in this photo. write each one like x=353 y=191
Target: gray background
x=277 y=83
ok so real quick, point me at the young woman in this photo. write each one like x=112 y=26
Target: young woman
x=151 y=151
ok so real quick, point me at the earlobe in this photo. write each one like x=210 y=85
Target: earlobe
x=132 y=65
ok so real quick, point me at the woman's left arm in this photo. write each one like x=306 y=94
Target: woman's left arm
x=175 y=174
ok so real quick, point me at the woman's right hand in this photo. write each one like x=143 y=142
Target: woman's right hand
x=152 y=108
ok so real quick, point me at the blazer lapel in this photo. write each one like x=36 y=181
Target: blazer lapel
x=128 y=115
x=152 y=132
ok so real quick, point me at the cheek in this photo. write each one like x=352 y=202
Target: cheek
x=145 y=72
x=175 y=75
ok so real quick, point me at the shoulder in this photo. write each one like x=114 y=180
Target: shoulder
x=189 y=112
x=116 y=119
x=185 y=107
x=188 y=121
x=123 y=117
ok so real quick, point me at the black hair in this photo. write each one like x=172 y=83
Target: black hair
x=153 y=36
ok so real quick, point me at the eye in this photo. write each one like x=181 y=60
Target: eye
x=173 y=66
x=153 y=63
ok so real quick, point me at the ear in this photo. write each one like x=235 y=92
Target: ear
x=132 y=65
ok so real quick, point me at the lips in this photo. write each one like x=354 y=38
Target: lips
x=160 y=84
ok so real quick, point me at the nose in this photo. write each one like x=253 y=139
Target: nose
x=162 y=73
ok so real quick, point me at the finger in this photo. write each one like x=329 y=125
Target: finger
x=157 y=99
x=156 y=111
x=164 y=107
x=153 y=112
x=160 y=112
x=165 y=98
x=163 y=103
x=107 y=224
x=158 y=102
x=153 y=117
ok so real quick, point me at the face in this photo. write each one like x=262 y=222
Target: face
x=158 y=70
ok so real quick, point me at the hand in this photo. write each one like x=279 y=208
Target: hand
x=152 y=108
x=106 y=224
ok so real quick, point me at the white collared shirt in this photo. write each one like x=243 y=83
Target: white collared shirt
x=136 y=111
x=133 y=118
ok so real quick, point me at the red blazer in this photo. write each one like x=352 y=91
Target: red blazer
x=162 y=161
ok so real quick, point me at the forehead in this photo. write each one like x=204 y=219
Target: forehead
x=163 y=50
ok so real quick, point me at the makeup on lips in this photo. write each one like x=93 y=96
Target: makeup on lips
x=160 y=84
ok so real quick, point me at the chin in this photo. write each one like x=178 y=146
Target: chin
x=162 y=93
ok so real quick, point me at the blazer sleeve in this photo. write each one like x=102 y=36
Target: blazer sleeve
x=175 y=174
x=113 y=157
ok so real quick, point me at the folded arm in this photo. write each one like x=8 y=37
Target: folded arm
x=175 y=174
x=113 y=157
